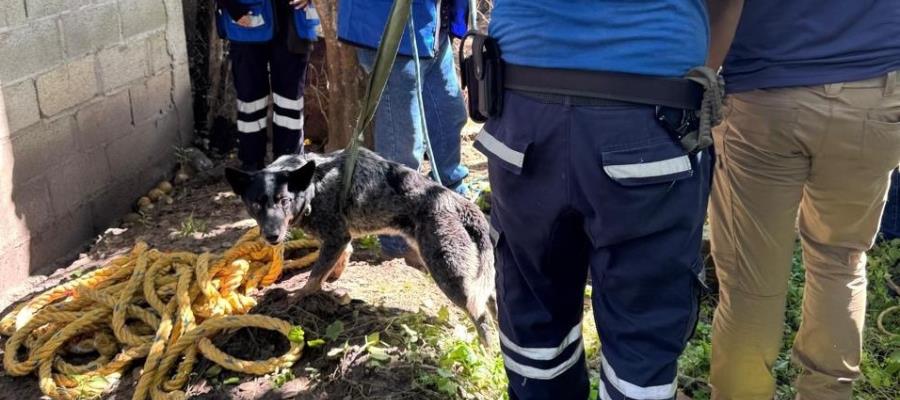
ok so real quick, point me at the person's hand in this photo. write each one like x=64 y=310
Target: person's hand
x=298 y=4
x=244 y=21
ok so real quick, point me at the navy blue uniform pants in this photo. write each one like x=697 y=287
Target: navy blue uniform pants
x=261 y=69
x=600 y=189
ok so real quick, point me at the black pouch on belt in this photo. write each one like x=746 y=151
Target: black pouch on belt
x=482 y=76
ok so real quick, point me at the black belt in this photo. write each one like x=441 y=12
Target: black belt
x=630 y=88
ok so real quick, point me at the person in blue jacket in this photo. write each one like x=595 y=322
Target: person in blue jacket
x=585 y=179
x=270 y=43
x=398 y=133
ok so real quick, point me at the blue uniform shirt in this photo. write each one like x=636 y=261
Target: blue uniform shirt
x=812 y=42
x=649 y=37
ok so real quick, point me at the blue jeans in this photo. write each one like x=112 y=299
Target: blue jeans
x=890 y=222
x=398 y=130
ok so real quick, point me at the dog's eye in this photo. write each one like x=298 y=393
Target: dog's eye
x=285 y=201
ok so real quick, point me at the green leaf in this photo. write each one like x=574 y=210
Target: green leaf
x=334 y=330
x=373 y=338
x=410 y=333
x=232 y=381
x=444 y=373
x=315 y=343
x=296 y=335
x=378 y=353
x=444 y=314
x=213 y=371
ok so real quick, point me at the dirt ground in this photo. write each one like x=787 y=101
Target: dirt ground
x=206 y=216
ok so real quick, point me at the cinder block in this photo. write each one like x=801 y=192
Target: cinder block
x=79 y=179
x=139 y=16
x=12 y=12
x=122 y=65
x=129 y=154
x=104 y=120
x=67 y=86
x=184 y=106
x=16 y=267
x=90 y=28
x=175 y=34
x=159 y=53
x=42 y=147
x=42 y=8
x=153 y=98
x=21 y=105
x=69 y=234
x=115 y=200
x=32 y=203
x=29 y=49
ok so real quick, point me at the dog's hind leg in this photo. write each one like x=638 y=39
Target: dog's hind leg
x=452 y=257
x=334 y=251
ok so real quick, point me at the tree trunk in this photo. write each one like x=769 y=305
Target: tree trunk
x=345 y=80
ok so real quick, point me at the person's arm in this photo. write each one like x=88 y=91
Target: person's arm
x=723 y=20
x=235 y=10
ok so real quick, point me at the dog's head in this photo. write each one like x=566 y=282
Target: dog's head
x=274 y=199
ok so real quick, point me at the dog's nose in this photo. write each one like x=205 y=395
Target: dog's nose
x=272 y=239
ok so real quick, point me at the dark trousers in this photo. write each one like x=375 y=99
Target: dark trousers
x=890 y=222
x=260 y=70
x=600 y=189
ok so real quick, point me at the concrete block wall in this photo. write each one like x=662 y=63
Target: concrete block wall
x=94 y=96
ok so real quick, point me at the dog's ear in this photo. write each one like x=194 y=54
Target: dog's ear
x=300 y=179
x=239 y=180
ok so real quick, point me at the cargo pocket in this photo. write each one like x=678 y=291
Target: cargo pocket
x=502 y=147
x=647 y=163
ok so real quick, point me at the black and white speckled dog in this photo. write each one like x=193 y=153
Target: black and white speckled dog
x=450 y=233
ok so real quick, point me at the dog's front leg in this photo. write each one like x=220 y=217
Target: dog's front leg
x=332 y=252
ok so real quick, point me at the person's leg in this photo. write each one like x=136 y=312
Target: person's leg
x=398 y=130
x=839 y=215
x=288 y=80
x=249 y=63
x=890 y=222
x=646 y=201
x=760 y=170
x=445 y=115
x=542 y=252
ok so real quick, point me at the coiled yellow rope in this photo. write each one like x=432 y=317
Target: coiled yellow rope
x=162 y=307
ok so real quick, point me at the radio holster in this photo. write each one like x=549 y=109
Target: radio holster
x=482 y=76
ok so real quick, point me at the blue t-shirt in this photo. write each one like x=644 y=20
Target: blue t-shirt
x=649 y=37
x=812 y=42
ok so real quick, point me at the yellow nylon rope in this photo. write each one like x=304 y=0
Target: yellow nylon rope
x=151 y=305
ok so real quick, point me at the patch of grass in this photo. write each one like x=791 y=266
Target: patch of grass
x=881 y=352
x=369 y=243
x=192 y=225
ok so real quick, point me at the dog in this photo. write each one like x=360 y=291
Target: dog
x=449 y=234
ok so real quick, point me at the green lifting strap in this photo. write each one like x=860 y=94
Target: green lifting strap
x=381 y=70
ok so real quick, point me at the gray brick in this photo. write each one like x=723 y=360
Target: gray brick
x=132 y=153
x=122 y=65
x=12 y=12
x=175 y=31
x=21 y=105
x=159 y=52
x=104 y=120
x=79 y=179
x=153 y=98
x=115 y=200
x=32 y=203
x=140 y=16
x=181 y=93
x=41 y=147
x=67 y=86
x=69 y=234
x=90 y=28
x=42 y=8
x=28 y=49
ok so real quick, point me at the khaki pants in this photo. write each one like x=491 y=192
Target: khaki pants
x=828 y=152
